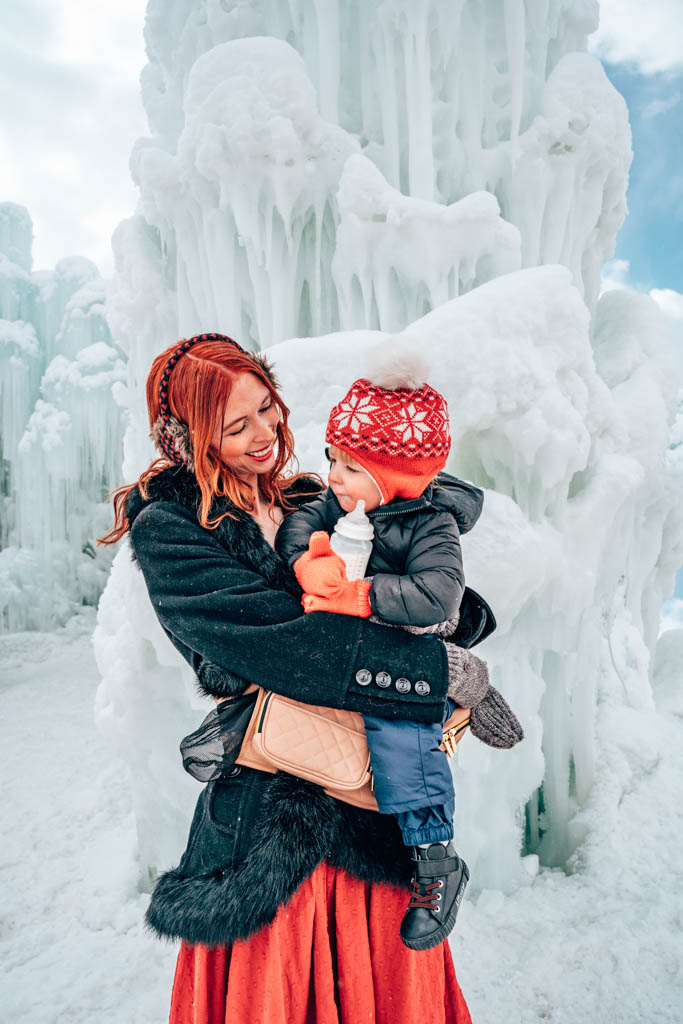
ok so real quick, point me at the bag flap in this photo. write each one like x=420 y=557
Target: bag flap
x=327 y=744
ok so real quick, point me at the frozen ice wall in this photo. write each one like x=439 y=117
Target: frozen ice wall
x=268 y=227
x=61 y=431
x=320 y=174
x=444 y=97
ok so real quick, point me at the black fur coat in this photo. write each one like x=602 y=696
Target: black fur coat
x=231 y=606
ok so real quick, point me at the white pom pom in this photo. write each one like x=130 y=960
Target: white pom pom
x=397 y=363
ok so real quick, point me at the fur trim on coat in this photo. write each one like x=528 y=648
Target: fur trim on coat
x=298 y=827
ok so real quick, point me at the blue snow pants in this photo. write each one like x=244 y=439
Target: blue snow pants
x=412 y=777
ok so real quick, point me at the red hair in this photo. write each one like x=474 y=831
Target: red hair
x=198 y=391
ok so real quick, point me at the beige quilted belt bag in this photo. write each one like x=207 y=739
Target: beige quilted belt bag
x=324 y=745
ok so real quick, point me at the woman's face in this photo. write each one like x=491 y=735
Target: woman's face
x=246 y=437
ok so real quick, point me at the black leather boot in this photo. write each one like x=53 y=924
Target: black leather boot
x=439 y=880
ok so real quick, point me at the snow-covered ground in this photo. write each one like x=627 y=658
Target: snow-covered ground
x=72 y=944
x=602 y=944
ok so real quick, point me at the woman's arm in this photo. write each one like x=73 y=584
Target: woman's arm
x=214 y=608
x=291 y=540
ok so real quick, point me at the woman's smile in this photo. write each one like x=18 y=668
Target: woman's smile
x=263 y=454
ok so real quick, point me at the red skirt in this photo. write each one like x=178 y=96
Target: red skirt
x=333 y=955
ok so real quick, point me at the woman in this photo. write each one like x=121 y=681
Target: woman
x=287 y=901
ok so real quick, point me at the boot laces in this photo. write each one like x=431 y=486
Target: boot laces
x=425 y=896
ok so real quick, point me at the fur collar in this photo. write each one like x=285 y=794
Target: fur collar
x=237 y=532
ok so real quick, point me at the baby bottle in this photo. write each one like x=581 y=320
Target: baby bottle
x=352 y=541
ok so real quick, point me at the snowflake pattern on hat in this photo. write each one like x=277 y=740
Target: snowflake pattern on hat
x=413 y=425
x=398 y=423
x=355 y=412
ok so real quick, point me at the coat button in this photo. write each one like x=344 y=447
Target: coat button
x=383 y=679
x=422 y=688
x=403 y=685
x=235 y=770
x=363 y=677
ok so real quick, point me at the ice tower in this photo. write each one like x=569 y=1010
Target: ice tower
x=321 y=173
x=61 y=431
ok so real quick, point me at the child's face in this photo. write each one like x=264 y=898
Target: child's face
x=350 y=484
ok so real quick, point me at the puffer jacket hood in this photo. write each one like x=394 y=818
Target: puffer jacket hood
x=445 y=494
x=462 y=500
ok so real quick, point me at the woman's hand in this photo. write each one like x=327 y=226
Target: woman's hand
x=494 y=722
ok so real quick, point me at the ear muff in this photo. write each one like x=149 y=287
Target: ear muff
x=170 y=435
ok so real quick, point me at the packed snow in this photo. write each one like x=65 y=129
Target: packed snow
x=73 y=943
x=602 y=941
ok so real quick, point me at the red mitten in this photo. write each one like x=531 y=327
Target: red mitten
x=352 y=598
x=319 y=571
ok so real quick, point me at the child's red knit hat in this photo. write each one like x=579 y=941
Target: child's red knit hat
x=393 y=423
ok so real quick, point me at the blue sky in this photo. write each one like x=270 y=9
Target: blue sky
x=641 y=48
x=652 y=236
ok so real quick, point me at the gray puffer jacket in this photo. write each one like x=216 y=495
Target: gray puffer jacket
x=416 y=559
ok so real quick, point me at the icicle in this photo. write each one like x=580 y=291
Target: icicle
x=381 y=231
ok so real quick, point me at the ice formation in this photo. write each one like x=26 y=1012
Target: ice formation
x=61 y=431
x=319 y=175
x=445 y=98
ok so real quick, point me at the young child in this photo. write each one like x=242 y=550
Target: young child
x=389 y=440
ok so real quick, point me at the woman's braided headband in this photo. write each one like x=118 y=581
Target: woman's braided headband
x=172 y=437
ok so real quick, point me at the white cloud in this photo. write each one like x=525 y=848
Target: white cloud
x=71 y=111
x=670 y=303
x=615 y=274
x=672 y=615
x=647 y=35
x=660 y=105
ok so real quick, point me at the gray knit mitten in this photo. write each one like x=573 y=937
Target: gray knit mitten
x=468 y=676
x=492 y=720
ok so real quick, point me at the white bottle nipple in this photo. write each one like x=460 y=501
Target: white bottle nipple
x=356 y=524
